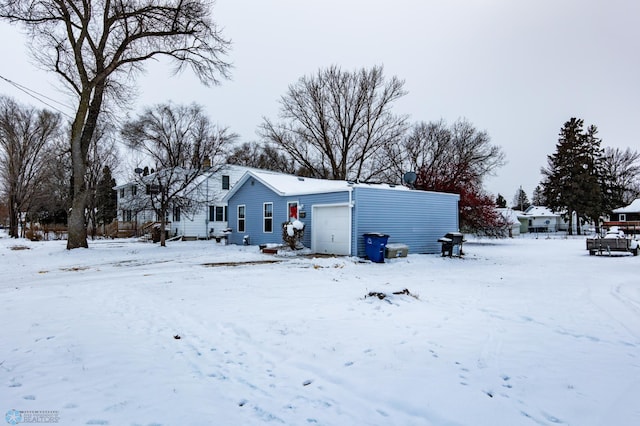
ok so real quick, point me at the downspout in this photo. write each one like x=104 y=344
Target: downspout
x=353 y=237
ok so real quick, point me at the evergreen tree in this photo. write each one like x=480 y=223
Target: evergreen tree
x=573 y=176
x=537 y=199
x=106 y=201
x=520 y=200
x=501 y=202
x=593 y=182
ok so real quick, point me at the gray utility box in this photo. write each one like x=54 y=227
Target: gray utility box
x=396 y=250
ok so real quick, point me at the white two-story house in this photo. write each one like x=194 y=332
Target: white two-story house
x=207 y=218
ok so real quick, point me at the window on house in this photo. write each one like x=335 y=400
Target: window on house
x=292 y=209
x=126 y=215
x=225 y=182
x=623 y=217
x=221 y=213
x=218 y=213
x=153 y=189
x=121 y=192
x=134 y=191
x=176 y=214
x=241 y=218
x=268 y=217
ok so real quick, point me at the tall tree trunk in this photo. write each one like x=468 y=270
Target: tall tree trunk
x=571 y=224
x=13 y=216
x=76 y=220
x=163 y=223
x=81 y=134
x=578 y=225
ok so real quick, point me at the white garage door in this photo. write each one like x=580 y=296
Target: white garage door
x=331 y=230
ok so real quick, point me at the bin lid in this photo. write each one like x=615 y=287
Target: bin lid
x=376 y=234
x=454 y=234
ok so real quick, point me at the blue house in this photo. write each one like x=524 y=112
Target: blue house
x=336 y=214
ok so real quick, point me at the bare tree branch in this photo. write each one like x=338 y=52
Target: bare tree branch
x=97 y=46
x=338 y=125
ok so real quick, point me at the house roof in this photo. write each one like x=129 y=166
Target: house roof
x=634 y=207
x=202 y=177
x=538 y=211
x=510 y=215
x=290 y=185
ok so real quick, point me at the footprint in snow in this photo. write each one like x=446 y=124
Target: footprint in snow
x=506 y=379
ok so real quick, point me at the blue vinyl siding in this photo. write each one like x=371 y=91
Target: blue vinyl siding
x=253 y=196
x=415 y=218
x=314 y=200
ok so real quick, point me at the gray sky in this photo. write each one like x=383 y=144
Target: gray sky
x=517 y=69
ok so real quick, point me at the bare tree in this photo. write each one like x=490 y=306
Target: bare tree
x=454 y=159
x=181 y=143
x=103 y=152
x=336 y=124
x=24 y=135
x=622 y=175
x=97 y=46
x=262 y=156
x=446 y=154
x=52 y=199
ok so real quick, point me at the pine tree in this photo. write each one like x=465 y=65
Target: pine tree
x=537 y=199
x=501 y=202
x=573 y=176
x=106 y=201
x=520 y=200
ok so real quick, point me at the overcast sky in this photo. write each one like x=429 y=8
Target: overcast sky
x=517 y=69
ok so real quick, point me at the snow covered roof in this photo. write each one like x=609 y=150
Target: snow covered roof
x=538 y=211
x=289 y=185
x=510 y=215
x=202 y=177
x=634 y=207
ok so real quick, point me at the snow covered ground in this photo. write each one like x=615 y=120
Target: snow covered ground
x=518 y=332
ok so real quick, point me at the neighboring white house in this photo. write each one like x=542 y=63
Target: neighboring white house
x=208 y=219
x=541 y=219
x=511 y=217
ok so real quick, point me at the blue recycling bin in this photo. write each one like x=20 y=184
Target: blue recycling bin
x=374 y=245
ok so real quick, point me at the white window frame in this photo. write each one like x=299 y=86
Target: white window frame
x=265 y=218
x=242 y=219
x=224 y=213
x=622 y=217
